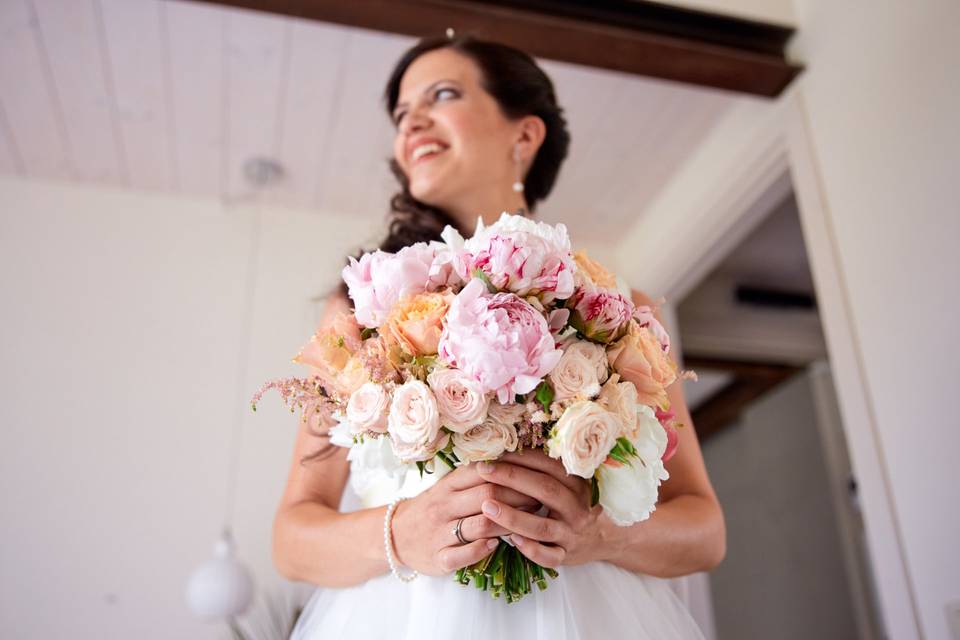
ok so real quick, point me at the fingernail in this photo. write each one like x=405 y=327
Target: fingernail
x=490 y=508
x=485 y=467
x=492 y=543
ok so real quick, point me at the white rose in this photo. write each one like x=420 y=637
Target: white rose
x=628 y=492
x=486 y=441
x=583 y=437
x=460 y=399
x=651 y=437
x=595 y=353
x=575 y=375
x=367 y=408
x=414 y=422
x=621 y=398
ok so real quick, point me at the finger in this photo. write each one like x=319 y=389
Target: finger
x=543 y=554
x=542 y=486
x=539 y=461
x=477 y=527
x=468 y=501
x=463 y=477
x=455 y=557
x=526 y=524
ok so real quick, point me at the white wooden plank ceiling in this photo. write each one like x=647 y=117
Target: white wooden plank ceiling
x=174 y=97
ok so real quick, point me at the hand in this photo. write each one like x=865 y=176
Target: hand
x=570 y=533
x=423 y=526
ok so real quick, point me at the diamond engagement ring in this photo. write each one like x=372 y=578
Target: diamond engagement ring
x=457 y=532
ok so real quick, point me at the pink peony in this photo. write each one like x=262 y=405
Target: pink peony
x=518 y=255
x=379 y=280
x=600 y=314
x=645 y=318
x=499 y=340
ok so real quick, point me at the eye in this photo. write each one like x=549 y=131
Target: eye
x=441 y=90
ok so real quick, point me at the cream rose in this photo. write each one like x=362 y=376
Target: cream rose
x=595 y=353
x=583 y=437
x=621 y=398
x=460 y=399
x=414 y=422
x=486 y=441
x=508 y=414
x=628 y=492
x=575 y=375
x=367 y=408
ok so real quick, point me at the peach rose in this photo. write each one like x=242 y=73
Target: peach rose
x=639 y=358
x=583 y=437
x=416 y=323
x=486 y=441
x=594 y=271
x=621 y=398
x=351 y=377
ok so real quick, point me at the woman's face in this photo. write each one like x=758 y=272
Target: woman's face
x=465 y=141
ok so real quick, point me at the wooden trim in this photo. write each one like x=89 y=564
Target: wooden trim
x=750 y=381
x=643 y=38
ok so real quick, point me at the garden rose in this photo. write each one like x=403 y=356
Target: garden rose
x=415 y=323
x=460 y=399
x=583 y=437
x=639 y=359
x=414 y=422
x=600 y=314
x=499 y=340
x=486 y=441
x=621 y=398
x=367 y=408
x=518 y=255
x=575 y=375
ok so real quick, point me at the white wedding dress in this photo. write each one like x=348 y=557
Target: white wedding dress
x=594 y=600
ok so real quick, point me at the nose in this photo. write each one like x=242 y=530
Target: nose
x=414 y=120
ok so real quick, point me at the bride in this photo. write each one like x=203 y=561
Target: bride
x=478 y=131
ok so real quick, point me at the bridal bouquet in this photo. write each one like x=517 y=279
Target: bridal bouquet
x=462 y=350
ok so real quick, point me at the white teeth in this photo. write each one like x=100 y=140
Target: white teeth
x=424 y=149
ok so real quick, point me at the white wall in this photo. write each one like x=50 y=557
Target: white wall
x=122 y=320
x=882 y=96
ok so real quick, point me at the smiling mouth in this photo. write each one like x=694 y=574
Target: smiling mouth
x=426 y=152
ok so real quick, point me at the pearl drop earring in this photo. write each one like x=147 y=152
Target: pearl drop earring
x=518 y=185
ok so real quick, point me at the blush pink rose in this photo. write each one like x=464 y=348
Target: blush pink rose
x=583 y=437
x=499 y=340
x=379 y=280
x=414 y=422
x=367 y=409
x=461 y=400
x=518 y=255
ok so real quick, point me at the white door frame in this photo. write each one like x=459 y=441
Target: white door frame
x=780 y=157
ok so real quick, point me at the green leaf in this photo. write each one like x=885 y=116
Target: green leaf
x=545 y=395
x=478 y=273
x=367 y=332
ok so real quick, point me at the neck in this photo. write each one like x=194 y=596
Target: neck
x=488 y=206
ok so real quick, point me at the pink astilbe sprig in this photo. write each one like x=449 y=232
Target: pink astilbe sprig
x=308 y=394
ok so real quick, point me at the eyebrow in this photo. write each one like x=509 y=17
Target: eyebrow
x=427 y=90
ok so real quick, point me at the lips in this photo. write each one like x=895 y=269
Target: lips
x=420 y=141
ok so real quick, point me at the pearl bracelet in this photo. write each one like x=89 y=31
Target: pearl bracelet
x=388 y=542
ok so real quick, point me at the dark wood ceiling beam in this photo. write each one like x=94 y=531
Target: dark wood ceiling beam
x=644 y=38
x=750 y=381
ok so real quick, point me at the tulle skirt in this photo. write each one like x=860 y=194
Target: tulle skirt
x=594 y=600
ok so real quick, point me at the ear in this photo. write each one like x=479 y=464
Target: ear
x=530 y=134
